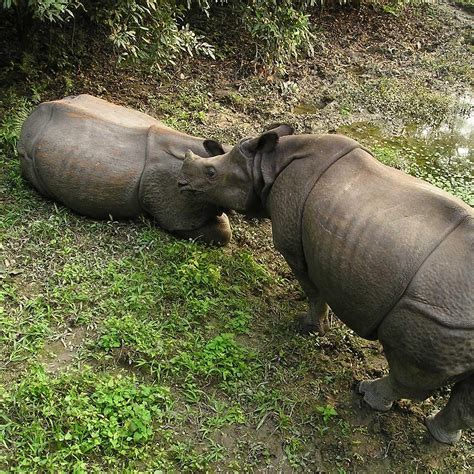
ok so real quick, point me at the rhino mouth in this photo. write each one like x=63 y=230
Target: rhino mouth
x=186 y=187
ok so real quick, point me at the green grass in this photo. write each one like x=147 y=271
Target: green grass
x=55 y=423
x=162 y=308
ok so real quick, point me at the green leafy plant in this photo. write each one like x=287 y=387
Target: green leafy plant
x=279 y=31
x=148 y=31
x=15 y=114
x=221 y=358
x=44 y=10
x=78 y=414
x=327 y=412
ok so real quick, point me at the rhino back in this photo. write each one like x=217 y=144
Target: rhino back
x=292 y=186
x=90 y=106
x=366 y=231
x=89 y=161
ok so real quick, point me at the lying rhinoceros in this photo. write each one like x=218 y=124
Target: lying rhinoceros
x=103 y=160
x=391 y=254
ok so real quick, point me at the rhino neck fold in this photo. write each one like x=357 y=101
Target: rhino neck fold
x=163 y=143
x=173 y=143
x=323 y=149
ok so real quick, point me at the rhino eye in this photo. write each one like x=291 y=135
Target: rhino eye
x=210 y=171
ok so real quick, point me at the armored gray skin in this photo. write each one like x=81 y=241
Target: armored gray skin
x=391 y=255
x=103 y=160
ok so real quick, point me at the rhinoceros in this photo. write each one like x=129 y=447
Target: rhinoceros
x=102 y=160
x=391 y=255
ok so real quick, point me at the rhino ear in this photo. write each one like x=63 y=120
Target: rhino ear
x=213 y=148
x=263 y=144
x=281 y=129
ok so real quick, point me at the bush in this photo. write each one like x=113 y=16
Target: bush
x=277 y=29
x=157 y=33
x=149 y=31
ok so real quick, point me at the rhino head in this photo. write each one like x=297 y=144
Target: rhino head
x=232 y=180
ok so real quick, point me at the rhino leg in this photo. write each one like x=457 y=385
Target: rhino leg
x=423 y=356
x=316 y=319
x=216 y=232
x=446 y=425
x=380 y=393
x=402 y=382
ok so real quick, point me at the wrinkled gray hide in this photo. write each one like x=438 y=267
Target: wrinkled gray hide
x=103 y=160
x=391 y=254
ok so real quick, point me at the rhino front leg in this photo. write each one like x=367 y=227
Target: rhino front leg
x=380 y=393
x=215 y=232
x=316 y=319
x=447 y=424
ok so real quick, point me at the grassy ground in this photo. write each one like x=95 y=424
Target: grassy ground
x=123 y=349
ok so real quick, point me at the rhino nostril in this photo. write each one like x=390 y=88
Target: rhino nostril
x=182 y=182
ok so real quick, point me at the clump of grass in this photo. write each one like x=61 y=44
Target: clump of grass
x=394 y=97
x=222 y=358
x=49 y=423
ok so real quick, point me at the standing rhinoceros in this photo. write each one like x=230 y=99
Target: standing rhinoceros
x=391 y=254
x=102 y=160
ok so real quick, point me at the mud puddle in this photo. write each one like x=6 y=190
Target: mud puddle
x=442 y=154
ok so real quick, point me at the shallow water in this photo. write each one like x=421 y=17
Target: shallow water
x=442 y=154
x=304 y=108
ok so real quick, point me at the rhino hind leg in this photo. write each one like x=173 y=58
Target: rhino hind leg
x=380 y=393
x=29 y=172
x=447 y=424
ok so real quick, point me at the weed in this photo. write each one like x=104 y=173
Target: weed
x=224 y=416
x=327 y=412
x=49 y=422
x=221 y=358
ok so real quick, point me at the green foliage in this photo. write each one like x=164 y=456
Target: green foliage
x=45 y=10
x=49 y=421
x=156 y=34
x=17 y=111
x=148 y=31
x=327 y=412
x=278 y=30
x=222 y=358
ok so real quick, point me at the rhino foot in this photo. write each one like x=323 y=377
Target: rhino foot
x=439 y=433
x=376 y=393
x=304 y=324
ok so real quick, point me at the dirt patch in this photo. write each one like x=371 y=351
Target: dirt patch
x=263 y=446
x=62 y=351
